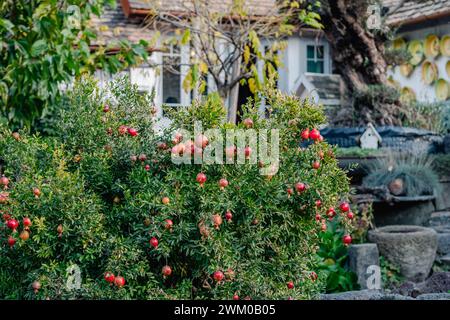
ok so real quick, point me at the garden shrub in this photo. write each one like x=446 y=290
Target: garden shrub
x=102 y=199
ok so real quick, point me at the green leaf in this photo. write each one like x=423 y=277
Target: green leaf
x=38 y=47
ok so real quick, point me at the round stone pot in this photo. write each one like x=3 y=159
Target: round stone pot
x=411 y=248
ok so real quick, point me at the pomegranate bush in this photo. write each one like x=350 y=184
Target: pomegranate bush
x=110 y=216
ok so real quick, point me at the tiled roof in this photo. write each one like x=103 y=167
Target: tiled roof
x=113 y=25
x=252 y=7
x=412 y=11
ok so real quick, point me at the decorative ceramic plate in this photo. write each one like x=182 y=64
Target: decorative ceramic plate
x=442 y=90
x=445 y=46
x=399 y=44
x=431 y=46
x=407 y=95
x=406 y=69
x=447 y=68
x=430 y=72
x=415 y=48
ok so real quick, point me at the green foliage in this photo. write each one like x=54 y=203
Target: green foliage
x=391 y=277
x=334 y=256
x=429 y=116
x=416 y=171
x=358 y=152
x=44 y=44
x=441 y=164
x=110 y=206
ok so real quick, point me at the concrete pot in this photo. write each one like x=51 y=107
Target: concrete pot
x=411 y=248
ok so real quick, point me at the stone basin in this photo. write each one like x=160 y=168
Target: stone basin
x=411 y=248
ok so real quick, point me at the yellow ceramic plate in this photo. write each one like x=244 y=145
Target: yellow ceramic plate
x=407 y=95
x=415 y=48
x=406 y=69
x=445 y=45
x=447 y=68
x=431 y=46
x=442 y=90
x=429 y=72
x=399 y=44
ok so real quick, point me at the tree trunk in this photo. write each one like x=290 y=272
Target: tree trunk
x=234 y=92
x=358 y=55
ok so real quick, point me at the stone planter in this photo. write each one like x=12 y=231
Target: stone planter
x=411 y=248
x=404 y=210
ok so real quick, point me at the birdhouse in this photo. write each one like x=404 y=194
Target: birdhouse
x=370 y=139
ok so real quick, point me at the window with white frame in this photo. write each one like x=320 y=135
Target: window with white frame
x=171 y=76
x=315 y=58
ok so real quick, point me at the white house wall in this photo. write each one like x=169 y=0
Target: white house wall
x=294 y=61
x=424 y=93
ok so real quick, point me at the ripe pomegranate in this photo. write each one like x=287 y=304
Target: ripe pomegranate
x=350 y=215
x=36 y=285
x=248 y=152
x=218 y=276
x=323 y=227
x=314 y=134
x=201 y=141
x=106 y=108
x=16 y=136
x=235 y=297
x=132 y=132
x=223 y=183
x=290 y=285
x=320 y=138
x=147 y=167
x=133 y=158
x=142 y=157
x=229 y=274
x=248 y=123
x=109 y=277
x=4 y=197
x=228 y=215
x=216 y=219
x=11 y=241
x=12 y=224
x=230 y=151
x=318 y=203
x=4 y=181
x=166 y=271
x=168 y=224
x=331 y=212
x=36 y=192
x=313 y=276
x=24 y=235
x=60 y=230
x=119 y=281
x=345 y=207
x=123 y=129
x=201 y=178
x=154 y=242
x=165 y=200
x=177 y=138
x=318 y=217
x=305 y=134
x=347 y=239
x=316 y=165
x=300 y=187
x=289 y=191
x=162 y=146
